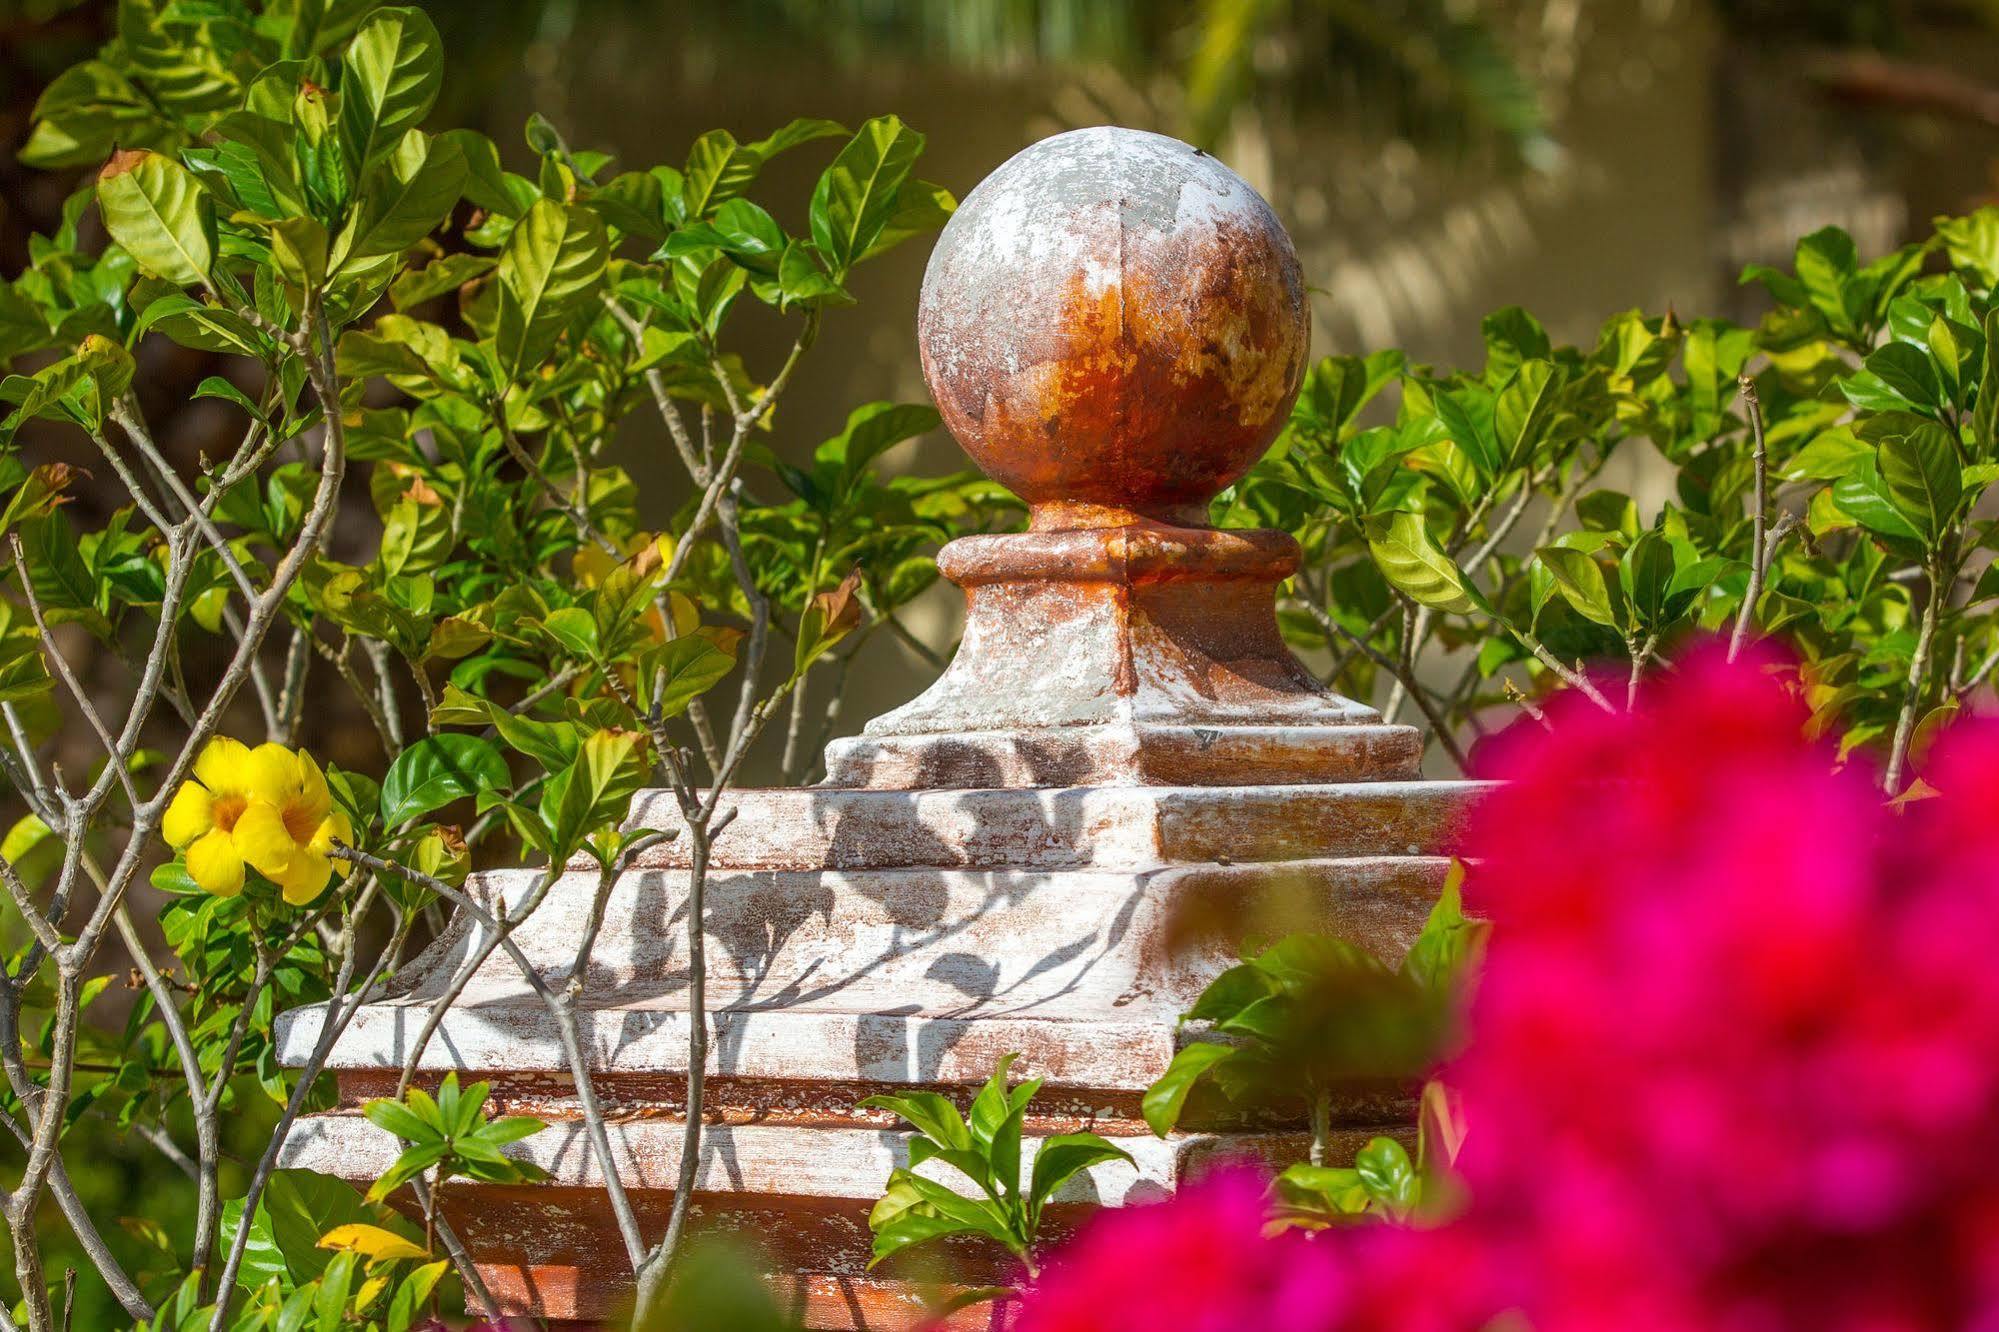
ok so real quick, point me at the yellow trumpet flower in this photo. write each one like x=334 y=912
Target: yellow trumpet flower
x=267 y=808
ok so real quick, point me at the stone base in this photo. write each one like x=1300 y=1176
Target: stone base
x=796 y=1190
x=863 y=940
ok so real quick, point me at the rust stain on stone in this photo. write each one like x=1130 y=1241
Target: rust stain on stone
x=1125 y=357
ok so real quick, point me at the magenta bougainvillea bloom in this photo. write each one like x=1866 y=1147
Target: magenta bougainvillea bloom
x=1735 y=1058
x=1733 y=1064
x=1201 y=1263
x=1196 y=1264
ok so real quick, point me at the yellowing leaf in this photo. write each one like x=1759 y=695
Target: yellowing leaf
x=371 y=1242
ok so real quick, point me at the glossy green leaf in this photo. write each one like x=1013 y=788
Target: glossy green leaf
x=1388 y=1175
x=551 y=265
x=389 y=79
x=1064 y=1156
x=1524 y=411
x=437 y=770
x=1165 y=1099
x=1985 y=413
x=684 y=668
x=158 y=212
x=403 y=199
x=1920 y=471
x=856 y=196
x=718 y=169
x=1581 y=582
x=1407 y=556
x=920 y=206
x=1450 y=944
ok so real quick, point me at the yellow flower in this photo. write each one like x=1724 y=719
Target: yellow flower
x=266 y=807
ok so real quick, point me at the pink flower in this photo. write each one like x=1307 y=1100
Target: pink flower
x=1735 y=1059
x=1198 y=1263
x=1733 y=1063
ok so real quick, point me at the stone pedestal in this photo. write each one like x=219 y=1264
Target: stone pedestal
x=1121 y=745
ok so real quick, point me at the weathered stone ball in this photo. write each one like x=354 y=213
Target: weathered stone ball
x=1114 y=321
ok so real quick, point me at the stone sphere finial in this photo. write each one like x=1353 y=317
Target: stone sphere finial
x=1114 y=325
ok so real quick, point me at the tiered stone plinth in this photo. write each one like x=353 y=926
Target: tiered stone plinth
x=1031 y=857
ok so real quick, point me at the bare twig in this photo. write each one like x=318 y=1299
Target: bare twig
x=1421 y=696
x=1759 y=555
x=1913 y=689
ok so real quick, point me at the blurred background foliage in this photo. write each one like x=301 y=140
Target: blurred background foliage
x=1434 y=159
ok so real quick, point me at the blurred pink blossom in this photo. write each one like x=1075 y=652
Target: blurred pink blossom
x=1196 y=1264
x=1734 y=1060
x=1735 y=1057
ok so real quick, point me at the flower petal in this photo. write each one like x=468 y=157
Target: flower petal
x=214 y=865
x=222 y=765
x=314 y=799
x=271 y=773
x=335 y=826
x=189 y=816
x=263 y=840
x=305 y=878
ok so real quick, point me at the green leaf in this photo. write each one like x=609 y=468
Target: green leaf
x=44 y=394
x=299 y=248
x=1826 y=261
x=795 y=133
x=413 y=1295
x=801 y=280
x=487 y=184
x=976 y=1214
x=438 y=278
x=1984 y=434
x=263 y=1260
x=920 y=206
x=62 y=579
x=1524 y=411
x=989 y=1107
x=1581 y=582
x=574 y=629
x=389 y=79
x=690 y=665
x=1407 y=557
x=1166 y=1098
x=397 y=1118
x=856 y=195
x=1973 y=243
x=437 y=770
x=1450 y=944
x=1387 y=1174
x=1645 y=575
x=300 y=1206
x=718 y=169
x=1921 y=473
x=158 y=212
x=1863 y=496
x=592 y=791
x=202 y=327
x=87 y=111
x=930 y=1114
x=1229 y=993
x=1470 y=431
x=1906 y=372
x=873 y=429
x=911 y=1229
x=553 y=259
x=403 y=199
x=1511 y=337
x=408 y=1166
x=1064 y=1156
